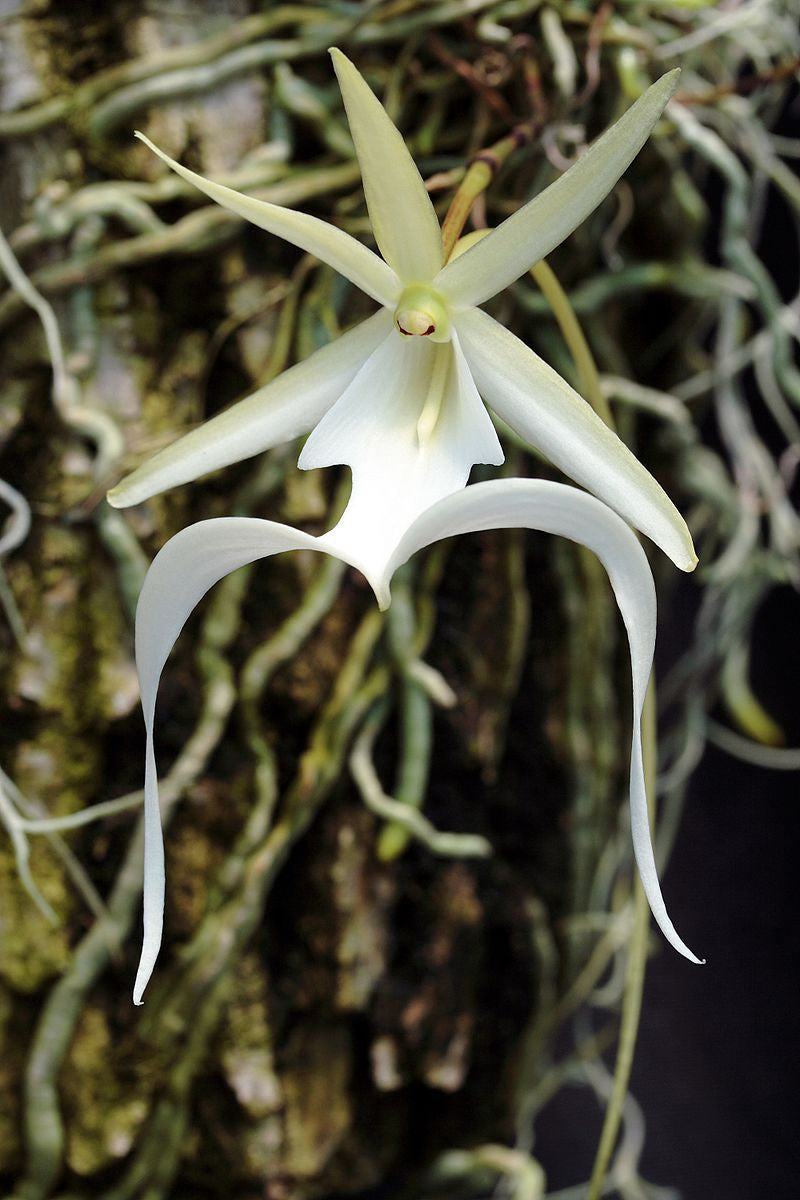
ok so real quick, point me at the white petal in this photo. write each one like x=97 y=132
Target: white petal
x=332 y=245
x=400 y=210
x=544 y=410
x=543 y=223
x=288 y=406
x=556 y=508
x=410 y=427
x=180 y=575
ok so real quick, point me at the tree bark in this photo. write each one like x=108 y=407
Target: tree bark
x=335 y=1004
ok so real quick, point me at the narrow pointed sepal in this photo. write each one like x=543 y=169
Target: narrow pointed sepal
x=545 y=411
x=289 y=406
x=545 y=221
x=327 y=242
x=402 y=216
x=568 y=512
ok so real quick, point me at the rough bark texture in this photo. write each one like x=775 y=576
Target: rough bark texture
x=333 y=1008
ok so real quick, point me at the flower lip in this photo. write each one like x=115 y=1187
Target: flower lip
x=422 y=312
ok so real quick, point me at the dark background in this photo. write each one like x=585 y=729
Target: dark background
x=719 y=1054
x=717 y=1067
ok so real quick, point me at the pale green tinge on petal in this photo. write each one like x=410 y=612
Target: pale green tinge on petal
x=179 y=576
x=543 y=223
x=332 y=245
x=285 y=408
x=410 y=427
x=400 y=210
x=557 y=508
x=544 y=410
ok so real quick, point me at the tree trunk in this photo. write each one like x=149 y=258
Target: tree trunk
x=336 y=1004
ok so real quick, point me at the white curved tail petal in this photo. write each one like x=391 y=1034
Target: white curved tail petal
x=180 y=575
x=557 y=508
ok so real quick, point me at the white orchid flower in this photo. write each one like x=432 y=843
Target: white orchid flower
x=400 y=400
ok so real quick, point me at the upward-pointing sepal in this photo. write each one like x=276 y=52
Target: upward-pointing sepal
x=543 y=223
x=327 y=242
x=402 y=216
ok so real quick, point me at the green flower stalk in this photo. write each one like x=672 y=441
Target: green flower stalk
x=401 y=399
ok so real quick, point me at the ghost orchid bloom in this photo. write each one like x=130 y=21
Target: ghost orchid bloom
x=400 y=400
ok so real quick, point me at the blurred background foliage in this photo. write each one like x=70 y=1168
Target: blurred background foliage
x=348 y=1003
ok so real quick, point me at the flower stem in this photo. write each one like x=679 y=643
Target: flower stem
x=573 y=335
x=479 y=175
